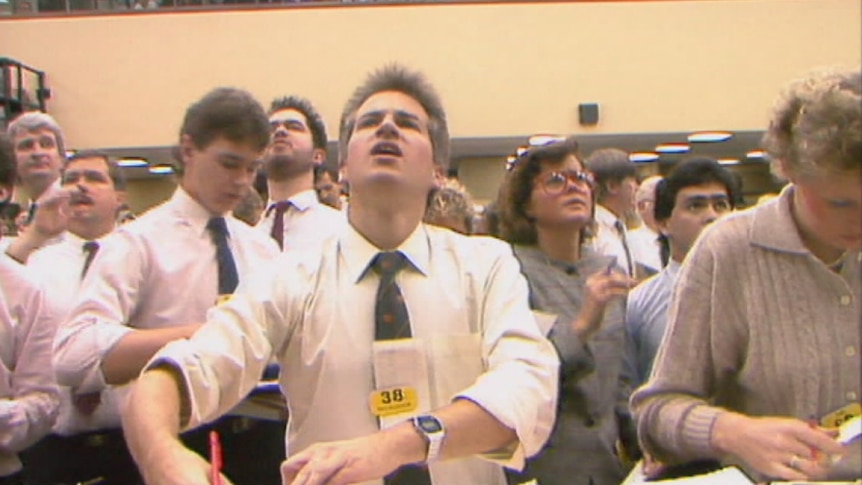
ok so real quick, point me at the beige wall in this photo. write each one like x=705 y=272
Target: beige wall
x=143 y=194
x=504 y=69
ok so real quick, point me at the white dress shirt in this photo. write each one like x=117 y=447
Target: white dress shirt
x=155 y=272
x=28 y=394
x=59 y=267
x=307 y=222
x=608 y=240
x=645 y=247
x=314 y=310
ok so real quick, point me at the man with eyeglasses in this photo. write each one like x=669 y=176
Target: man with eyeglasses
x=646 y=248
x=294 y=216
x=693 y=196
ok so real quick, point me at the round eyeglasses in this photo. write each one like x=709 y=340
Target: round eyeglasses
x=555 y=183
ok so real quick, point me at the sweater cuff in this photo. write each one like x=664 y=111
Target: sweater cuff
x=697 y=430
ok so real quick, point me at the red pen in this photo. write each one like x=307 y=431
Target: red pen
x=215 y=458
x=812 y=423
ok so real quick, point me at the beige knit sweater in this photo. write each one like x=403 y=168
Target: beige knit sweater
x=757 y=325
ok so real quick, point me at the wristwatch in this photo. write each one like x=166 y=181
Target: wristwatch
x=432 y=429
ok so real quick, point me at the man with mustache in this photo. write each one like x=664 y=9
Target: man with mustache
x=39 y=151
x=407 y=351
x=294 y=216
x=87 y=442
x=157 y=276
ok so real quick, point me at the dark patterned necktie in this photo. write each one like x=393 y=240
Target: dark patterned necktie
x=391 y=321
x=277 y=232
x=228 y=279
x=622 y=233
x=90 y=249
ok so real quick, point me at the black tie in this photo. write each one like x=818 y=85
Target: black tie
x=622 y=233
x=31 y=213
x=90 y=248
x=228 y=278
x=277 y=231
x=391 y=321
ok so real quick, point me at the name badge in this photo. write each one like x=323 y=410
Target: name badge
x=836 y=418
x=392 y=401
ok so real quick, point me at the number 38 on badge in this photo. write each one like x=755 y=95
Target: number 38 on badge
x=392 y=401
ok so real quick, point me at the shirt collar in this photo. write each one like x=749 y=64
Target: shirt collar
x=605 y=217
x=773 y=226
x=190 y=211
x=302 y=200
x=357 y=252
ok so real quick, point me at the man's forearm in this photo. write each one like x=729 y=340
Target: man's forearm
x=470 y=430
x=127 y=358
x=151 y=419
x=22 y=247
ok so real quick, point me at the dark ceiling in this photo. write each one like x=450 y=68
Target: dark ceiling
x=501 y=147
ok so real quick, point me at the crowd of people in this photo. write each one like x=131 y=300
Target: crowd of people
x=414 y=339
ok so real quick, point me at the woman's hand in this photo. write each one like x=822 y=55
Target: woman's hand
x=781 y=448
x=599 y=290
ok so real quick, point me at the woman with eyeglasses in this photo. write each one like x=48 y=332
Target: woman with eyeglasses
x=546 y=209
x=759 y=362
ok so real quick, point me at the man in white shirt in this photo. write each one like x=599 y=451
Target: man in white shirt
x=478 y=378
x=294 y=216
x=39 y=150
x=87 y=442
x=616 y=183
x=644 y=240
x=694 y=195
x=157 y=276
x=28 y=395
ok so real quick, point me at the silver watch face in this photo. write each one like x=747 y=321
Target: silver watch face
x=429 y=424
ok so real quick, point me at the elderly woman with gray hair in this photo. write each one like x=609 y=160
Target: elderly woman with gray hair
x=760 y=360
x=546 y=209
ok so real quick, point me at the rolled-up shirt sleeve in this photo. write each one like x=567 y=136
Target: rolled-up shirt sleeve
x=224 y=360
x=100 y=316
x=519 y=386
x=30 y=399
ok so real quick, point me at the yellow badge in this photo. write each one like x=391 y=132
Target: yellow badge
x=395 y=400
x=839 y=417
x=223 y=298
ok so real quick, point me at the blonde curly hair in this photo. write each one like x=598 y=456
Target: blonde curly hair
x=816 y=125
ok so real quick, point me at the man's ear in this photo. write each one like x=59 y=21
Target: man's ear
x=187 y=147
x=612 y=187
x=662 y=226
x=318 y=156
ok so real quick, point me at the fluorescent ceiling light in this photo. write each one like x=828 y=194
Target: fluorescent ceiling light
x=70 y=153
x=511 y=158
x=521 y=150
x=728 y=161
x=161 y=170
x=672 y=148
x=542 y=140
x=132 y=162
x=709 y=136
x=643 y=157
x=756 y=154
